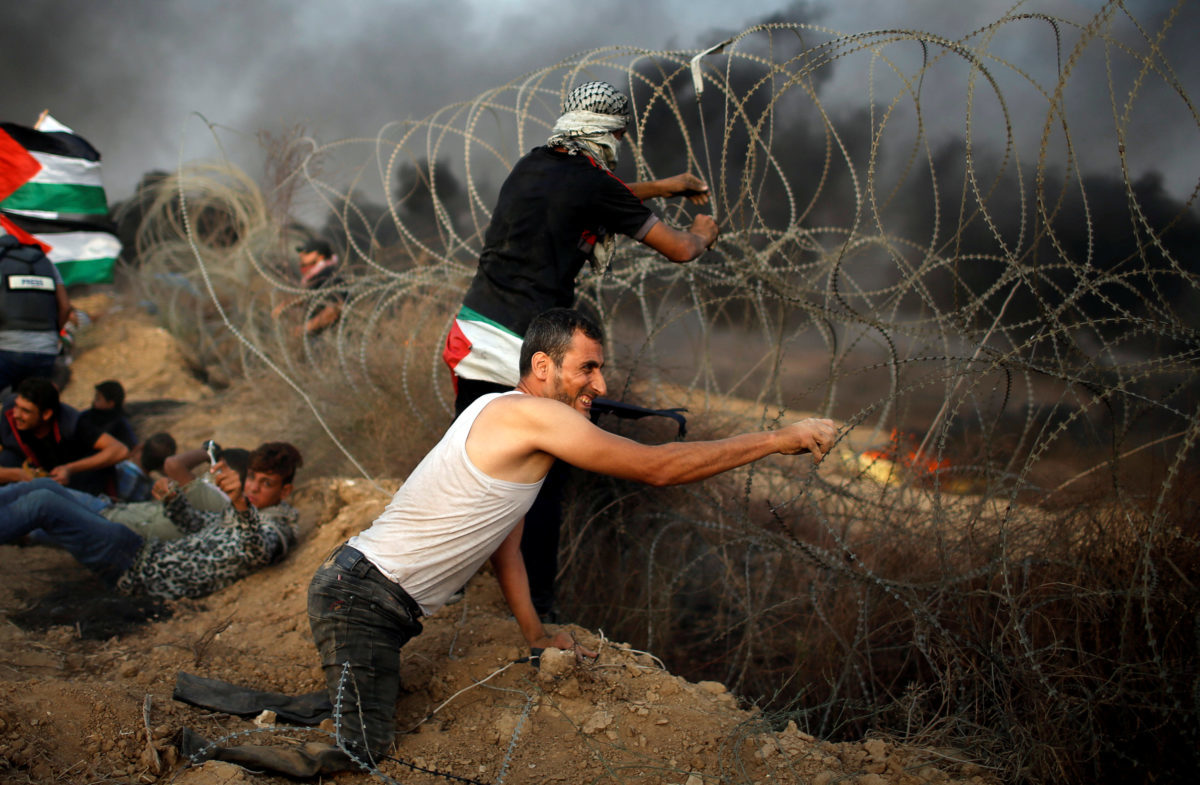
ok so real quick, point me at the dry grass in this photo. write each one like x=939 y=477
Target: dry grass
x=1063 y=653
x=1028 y=603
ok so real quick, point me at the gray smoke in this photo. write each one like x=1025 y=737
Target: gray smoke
x=130 y=76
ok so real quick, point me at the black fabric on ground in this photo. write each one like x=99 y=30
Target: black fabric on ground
x=222 y=696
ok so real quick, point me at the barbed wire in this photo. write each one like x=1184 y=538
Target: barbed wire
x=942 y=254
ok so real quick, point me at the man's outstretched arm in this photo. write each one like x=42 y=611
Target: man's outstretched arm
x=14 y=474
x=686 y=184
x=521 y=434
x=675 y=463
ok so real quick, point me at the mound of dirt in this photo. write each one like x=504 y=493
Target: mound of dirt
x=80 y=707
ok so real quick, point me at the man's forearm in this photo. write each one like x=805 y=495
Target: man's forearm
x=514 y=585
x=648 y=189
x=685 y=184
x=325 y=317
x=678 y=463
x=13 y=475
x=509 y=567
x=682 y=245
x=179 y=466
x=109 y=456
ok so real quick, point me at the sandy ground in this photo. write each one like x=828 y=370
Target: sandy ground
x=86 y=679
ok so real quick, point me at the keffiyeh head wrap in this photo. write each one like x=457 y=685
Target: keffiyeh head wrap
x=591 y=112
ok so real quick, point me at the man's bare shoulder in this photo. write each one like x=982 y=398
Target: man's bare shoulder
x=527 y=406
x=540 y=420
x=516 y=437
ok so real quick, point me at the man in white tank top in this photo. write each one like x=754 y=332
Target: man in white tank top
x=465 y=502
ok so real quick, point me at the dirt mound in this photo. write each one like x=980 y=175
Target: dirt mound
x=123 y=342
x=76 y=709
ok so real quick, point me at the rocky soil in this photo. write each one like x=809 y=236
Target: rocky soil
x=86 y=678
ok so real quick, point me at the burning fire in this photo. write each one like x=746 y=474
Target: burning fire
x=900 y=455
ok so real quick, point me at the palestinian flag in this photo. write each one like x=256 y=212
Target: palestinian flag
x=50 y=190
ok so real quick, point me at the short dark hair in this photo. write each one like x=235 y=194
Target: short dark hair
x=552 y=332
x=238 y=459
x=112 y=391
x=41 y=393
x=156 y=449
x=277 y=458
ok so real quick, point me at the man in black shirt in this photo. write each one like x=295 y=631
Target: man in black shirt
x=560 y=206
x=318 y=274
x=40 y=436
x=108 y=412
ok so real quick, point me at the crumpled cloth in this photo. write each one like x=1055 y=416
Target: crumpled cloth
x=300 y=761
x=222 y=696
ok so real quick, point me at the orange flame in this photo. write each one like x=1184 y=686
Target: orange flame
x=902 y=449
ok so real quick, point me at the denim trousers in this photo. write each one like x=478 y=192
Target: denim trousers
x=102 y=546
x=360 y=619
x=16 y=367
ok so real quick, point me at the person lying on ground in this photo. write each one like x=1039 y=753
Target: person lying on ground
x=465 y=502
x=134 y=482
x=257 y=529
x=108 y=413
x=151 y=518
x=40 y=436
x=148 y=516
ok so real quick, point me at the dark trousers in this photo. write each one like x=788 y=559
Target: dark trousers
x=105 y=547
x=359 y=621
x=16 y=367
x=539 y=540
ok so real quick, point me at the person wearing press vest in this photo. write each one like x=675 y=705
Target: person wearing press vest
x=34 y=307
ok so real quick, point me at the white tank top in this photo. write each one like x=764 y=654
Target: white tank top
x=446 y=520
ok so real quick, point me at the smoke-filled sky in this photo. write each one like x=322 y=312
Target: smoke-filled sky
x=129 y=74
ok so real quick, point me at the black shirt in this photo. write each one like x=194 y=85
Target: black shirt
x=70 y=439
x=112 y=422
x=329 y=284
x=551 y=211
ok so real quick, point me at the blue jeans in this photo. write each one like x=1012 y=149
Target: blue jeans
x=37 y=536
x=360 y=618
x=100 y=545
x=16 y=367
x=10 y=493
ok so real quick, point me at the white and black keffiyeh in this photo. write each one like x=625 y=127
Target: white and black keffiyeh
x=591 y=112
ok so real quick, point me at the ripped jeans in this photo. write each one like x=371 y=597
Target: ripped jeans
x=360 y=618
